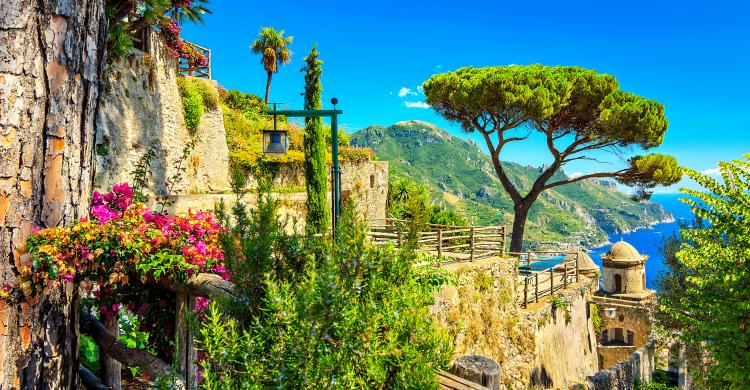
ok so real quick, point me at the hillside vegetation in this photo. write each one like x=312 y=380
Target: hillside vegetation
x=461 y=175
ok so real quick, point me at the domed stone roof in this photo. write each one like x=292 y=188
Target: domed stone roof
x=585 y=263
x=623 y=252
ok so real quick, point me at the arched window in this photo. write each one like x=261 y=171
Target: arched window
x=618 y=283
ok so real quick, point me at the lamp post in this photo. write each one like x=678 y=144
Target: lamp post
x=280 y=136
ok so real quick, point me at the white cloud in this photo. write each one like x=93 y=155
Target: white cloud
x=712 y=172
x=575 y=174
x=405 y=92
x=420 y=89
x=417 y=104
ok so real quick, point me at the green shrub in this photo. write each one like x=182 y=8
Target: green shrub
x=412 y=201
x=197 y=95
x=249 y=105
x=326 y=313
x=596 y=318
x=354 y=154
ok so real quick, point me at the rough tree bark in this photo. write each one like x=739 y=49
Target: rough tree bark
x=51 y=53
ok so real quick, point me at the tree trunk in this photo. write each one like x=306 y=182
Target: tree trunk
x=268 y=86
x=50 y=62
x=519 y=225
x=478 y=369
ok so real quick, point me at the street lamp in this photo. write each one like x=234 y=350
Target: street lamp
x=276 y=143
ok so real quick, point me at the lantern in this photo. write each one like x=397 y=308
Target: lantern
x=275 y=143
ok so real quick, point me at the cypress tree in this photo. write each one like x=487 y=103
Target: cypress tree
x=314 y=146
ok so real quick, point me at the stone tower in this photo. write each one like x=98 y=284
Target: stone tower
x=624 y=272
x=625 y=304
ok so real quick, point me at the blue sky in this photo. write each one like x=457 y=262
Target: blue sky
x=691 y=56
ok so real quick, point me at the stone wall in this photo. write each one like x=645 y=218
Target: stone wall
x=630 y=317
x=365 y=183
x=141 y=105
x=538 y=346
x=622 y=376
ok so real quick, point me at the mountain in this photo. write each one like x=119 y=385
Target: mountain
x=462 y=176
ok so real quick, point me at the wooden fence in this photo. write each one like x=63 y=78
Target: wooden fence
x=450 y=243
x=203 y=71
x=541 y=273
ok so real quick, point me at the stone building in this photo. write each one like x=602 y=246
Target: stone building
x=624 y=303
x=624 y=272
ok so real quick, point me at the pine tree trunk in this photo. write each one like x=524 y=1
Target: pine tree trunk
x=50 y=62
x=268 y=86
x=519 y=225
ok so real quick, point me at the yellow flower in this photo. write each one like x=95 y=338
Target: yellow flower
x=26 y=287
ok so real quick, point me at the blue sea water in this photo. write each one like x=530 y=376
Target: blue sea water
x=648 y=241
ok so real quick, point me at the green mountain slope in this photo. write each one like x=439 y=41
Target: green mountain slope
x=462 y=175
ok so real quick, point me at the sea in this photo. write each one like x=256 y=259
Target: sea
x=648 y=241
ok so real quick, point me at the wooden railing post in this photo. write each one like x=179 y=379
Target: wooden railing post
x=525 y=291
x=536 y=287
x=565 y=274
x=440 y=242
x=551 y=281
x=186 y=352
x=576 y=267
x=471 y=244
x=111 y=369
x=502 y=239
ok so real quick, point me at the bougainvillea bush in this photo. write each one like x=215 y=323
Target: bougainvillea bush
x=119 y=257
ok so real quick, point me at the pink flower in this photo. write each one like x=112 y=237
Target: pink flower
x=201 y=303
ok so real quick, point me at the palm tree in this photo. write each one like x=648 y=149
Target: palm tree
x=272 y=46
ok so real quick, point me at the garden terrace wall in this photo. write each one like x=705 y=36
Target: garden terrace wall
x=622 y=376
x=534 y=346
x=141 y=104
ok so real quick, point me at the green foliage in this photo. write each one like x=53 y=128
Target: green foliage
x=131 y=337
x=272 y=47
x=412 y=201
x=580 y=100
x=119 y=41
x=243 y=139
x=576 y=110
x=353 y=316
x=197 y=96
x=315 y=149
x=343 y=138
x=712 y=278
x=192 y=102
x=596 y=318
x=558 y=303
x=649 y=171
x=89 y=353
x=142 y=172
x=255 y=247
x=251 y=106
x=355 y=154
